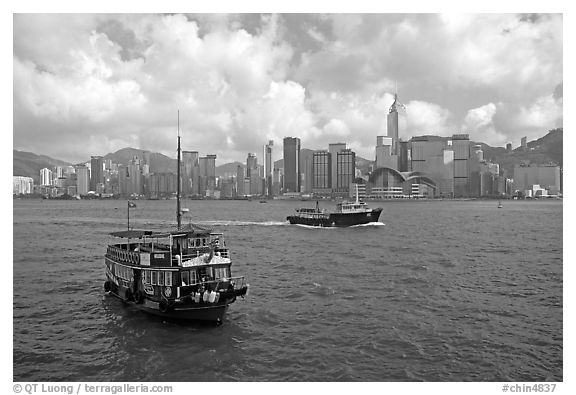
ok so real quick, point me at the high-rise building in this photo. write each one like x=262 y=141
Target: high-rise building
x=82 y=179
x=207 y=175
x=334 y=148
x=276 y=181
x=461 y=148
x=190 y=172
x=392 y=124
x=45 y=177
x=268 y=167
x=306 y=170
x=546 y=176
x=291 y=164
x=384 y=154
x=509 y=147
x=240 y=181
x=321 y=172
x=524 y=143
x=345 y=170
x=96 y=172
x=251 y=164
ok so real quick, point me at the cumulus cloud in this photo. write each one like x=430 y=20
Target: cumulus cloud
x=91 y=84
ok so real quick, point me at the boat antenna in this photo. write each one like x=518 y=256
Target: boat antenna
x=178 y=213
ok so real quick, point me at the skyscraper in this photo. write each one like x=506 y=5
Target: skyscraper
x=268 y=167
x=334 y=149
x=345 y=170
x=207 y=174
x=291 y=164
x=251 y=164
x=96 y=172
x=321 y=172
x=240 y=181
x=392 y=124
x=82 y=179
x=461 y=148
x=191 y=171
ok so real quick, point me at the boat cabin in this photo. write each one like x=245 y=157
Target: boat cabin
x=171 y=264
x=357 y=207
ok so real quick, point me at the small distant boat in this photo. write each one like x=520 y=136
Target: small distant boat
x=263 y=201
x=499 y=204
x=346 y=214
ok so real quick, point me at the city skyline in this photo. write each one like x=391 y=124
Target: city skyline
x=260 y=78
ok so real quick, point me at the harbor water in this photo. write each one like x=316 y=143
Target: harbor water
x=436 y=291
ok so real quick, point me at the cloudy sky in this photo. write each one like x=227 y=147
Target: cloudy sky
x=90 y=84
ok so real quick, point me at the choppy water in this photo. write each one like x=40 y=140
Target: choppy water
x=440 y=291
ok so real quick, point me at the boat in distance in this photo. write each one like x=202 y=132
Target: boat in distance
x=346 y=214
x=182 y=273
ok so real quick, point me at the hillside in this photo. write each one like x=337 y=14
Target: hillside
x=159 y=163
x=547 y=149
x=28 y=164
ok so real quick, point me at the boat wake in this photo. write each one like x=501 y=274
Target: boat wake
x=242 y=223
x=369 y=224
x=314 y=227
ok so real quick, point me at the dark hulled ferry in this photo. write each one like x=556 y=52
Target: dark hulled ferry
x=183 y=273
x=346 y=214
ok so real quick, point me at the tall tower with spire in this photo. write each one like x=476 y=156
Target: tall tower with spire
x=393 y=123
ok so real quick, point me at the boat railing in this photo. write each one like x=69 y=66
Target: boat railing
x=123 y=255
x=224 y=253
x=237 y=282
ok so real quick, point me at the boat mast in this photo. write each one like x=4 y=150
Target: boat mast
x=178 y=212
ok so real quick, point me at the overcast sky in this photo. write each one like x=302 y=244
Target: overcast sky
x=92 y=84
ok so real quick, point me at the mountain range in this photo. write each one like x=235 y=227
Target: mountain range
x=541 y=151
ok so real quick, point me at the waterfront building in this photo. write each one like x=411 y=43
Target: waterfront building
x=291 y=164
x=268 y=167
x=82 y=179
x=524 y=143
x=22 y=185
x=45 y=177
x=321 y=172
x=462 y=162
x=546 y=176
x=334 y=149
x=190 y=173
x=276 y=181
x=509 y=147
x=404 y=156
x=306 y=170
x=207 y=175
x=96 y=172
x=239 y=181
x=384 y=153
x=345 y=170
x=251 y=164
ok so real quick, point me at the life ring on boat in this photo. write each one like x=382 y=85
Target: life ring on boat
x=139 y=297
x=167 y=292
x=106 y=286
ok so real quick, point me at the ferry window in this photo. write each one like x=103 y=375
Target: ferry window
x=193 y=277
x=168 y=279
x=221 y=273
x=154 y=278
x=160 y=278
x=185 y=278
x=146 y=276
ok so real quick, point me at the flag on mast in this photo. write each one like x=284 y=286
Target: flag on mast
x=131 y=204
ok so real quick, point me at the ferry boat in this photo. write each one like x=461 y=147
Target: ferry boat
x=182 y=273
x=346 y=214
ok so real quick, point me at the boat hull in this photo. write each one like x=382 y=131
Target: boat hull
x=185 y=310
x=337 y=219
